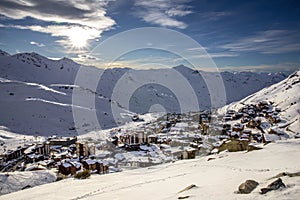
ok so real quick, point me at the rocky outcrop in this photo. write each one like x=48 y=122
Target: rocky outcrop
x=247 y=187
x=187 y=188
x=273 y=186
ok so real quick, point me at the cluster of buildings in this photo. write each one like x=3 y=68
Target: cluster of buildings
x=176 y=135
x=250 y=124
x=66 y=154
x=184 y=136
x=170 y=137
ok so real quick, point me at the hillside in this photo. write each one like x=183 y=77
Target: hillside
x=36 y=93
x=283 y=95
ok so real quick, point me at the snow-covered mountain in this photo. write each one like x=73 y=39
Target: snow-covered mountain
x=37 y=94
x=37 y=98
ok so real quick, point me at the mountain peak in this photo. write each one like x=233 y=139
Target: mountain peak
x=3 y=53
x=29 y=56
x=67 y=60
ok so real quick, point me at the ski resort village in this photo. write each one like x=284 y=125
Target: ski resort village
x=142 y=144
x=149 y=100
x=247 y=149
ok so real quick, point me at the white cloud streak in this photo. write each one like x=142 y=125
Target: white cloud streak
x=213 y=16
x=163 y=12
x=217 y=55
x=37 y=44
x=267 y=42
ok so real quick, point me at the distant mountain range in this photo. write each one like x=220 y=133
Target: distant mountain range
x=36 y=93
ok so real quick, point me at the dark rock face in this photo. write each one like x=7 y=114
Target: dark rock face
x=248 y=186
x=26 y=187
x=273 y=186
x=185 y=197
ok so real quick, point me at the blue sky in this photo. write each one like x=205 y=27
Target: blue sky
x=238 y=35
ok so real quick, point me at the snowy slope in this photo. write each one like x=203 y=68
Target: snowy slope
x=214 y=179
x=15 y=181
x=36 y=93
x=285 y=95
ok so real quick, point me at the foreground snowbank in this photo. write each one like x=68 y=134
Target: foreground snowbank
x=14 y=181
x=217 y=178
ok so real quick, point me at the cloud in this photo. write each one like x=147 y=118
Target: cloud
x=62 y=17
x=267 y=42
x=217 y=55
x=37 y=44
x=213 y=16
x=163 y=12
x=202 y=52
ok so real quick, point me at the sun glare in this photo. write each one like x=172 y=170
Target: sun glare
x=79 y=36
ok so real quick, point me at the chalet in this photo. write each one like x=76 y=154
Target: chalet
x=83 y=149
x=68 y=167
x=273 y=119
x=226 y=127
x=189 y=153
x=246 y=118
x=263 y=105
x=253 y=123
x=257 y=137
x=89 y=164
x=102 y=168
x=234 y=134
x=238 y=127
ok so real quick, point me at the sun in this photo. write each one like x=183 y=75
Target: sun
x=79 y=36
x=78 y=41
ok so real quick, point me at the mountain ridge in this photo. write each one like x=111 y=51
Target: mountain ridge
x=36 y=93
